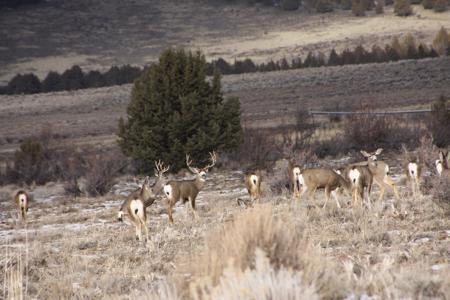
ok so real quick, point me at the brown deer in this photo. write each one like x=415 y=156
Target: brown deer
x=253 y=184
x=187 y=190
x=312 y=179
x=294 y=175
x=360 y=179
x=380 y=172
x=442 y=164
x=134 y=207
x=21 y=198
x=413 y=171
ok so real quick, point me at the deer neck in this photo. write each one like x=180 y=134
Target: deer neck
x=146 y=193
x=199 y=182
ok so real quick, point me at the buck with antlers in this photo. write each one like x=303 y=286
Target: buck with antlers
x=379 y=170
x=187 y=190
x=21 y=198
x=442 y=164
x=134 y=207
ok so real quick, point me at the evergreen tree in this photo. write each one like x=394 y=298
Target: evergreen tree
x=24 y=84
x=333 y=59
x=174 y=110
x=52 y=82
x=73 y=79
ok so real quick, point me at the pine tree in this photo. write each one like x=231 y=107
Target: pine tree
x=333 y=59
x=52 y=82
x=174 y=110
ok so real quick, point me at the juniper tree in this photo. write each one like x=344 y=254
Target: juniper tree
x=175 y=110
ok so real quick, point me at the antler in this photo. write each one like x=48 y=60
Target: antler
x=213 y=157
x=160 y=168
x=189 y=162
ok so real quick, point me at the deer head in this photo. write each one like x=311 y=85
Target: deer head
x=201 y=172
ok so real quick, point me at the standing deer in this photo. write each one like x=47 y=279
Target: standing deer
x=380 y=172
x=253 y=185
x=137 y=202
x=187 y=190
x=360 y=179
x=413 y=171
x=21 y=198
x=442 y=164
x=312 y=179
x=294 y=175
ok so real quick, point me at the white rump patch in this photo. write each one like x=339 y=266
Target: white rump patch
x=168 y=190
x=439 y=167
x=137 y=208
x=296 y=171
x=254 y=179
x=412 y=169
x=354 y=176
x=301 y=180
x=23 y=199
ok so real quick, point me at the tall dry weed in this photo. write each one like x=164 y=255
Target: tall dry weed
x=278 y=235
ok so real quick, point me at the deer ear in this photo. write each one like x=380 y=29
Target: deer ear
x=364 y=153
x=379 y=150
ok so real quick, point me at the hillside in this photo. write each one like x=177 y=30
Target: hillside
x=266 y=98
x=98 y=34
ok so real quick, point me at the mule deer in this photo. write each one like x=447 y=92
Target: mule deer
x=380 y=172
x=294 y=175
x=253 y=185
x=21 y=198
x=413 y=171
x=187 y=190
x=312 y=179
x=136 y=203
x=442 y=164
x=360 y=179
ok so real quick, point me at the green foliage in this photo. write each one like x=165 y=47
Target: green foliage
x=24 y=84
x=402 y=8
x=290 y=4
x=53 y=82
x=174 y=110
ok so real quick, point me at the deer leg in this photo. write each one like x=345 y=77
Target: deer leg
x=335 y=196
x=388 y=180
x=327 y=196
x=192 y=200
x=169 y=212
x=304 y=189
x=144 y=224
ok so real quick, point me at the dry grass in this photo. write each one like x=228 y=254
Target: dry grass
x=300 y=250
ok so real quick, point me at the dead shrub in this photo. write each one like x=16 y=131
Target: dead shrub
x=258 y=149
x=441 y=192
x=284 y=242
x=367 y=130
x=439 y=122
